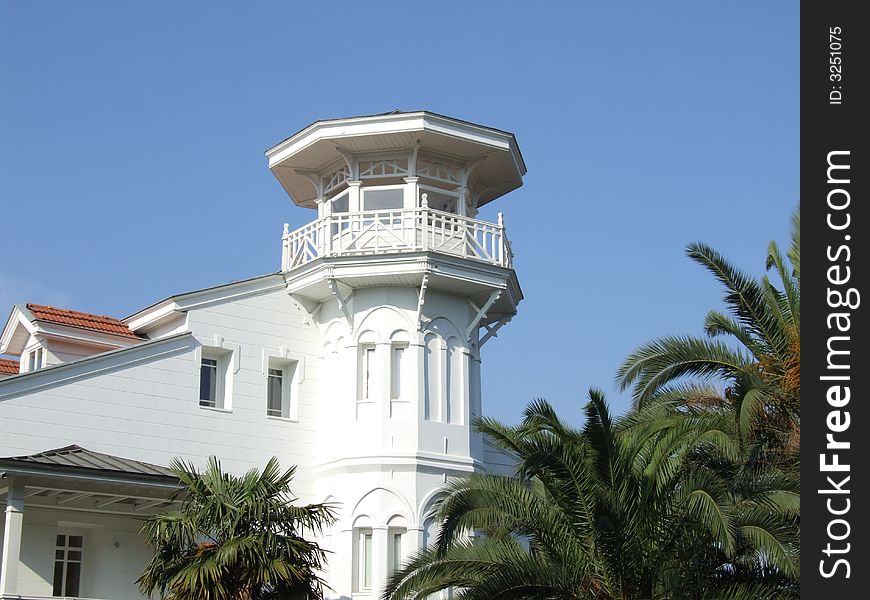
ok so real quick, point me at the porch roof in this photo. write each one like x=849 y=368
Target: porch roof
x=82 y=461
x=77 y=479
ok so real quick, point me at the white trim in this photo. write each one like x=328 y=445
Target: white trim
x=450 y=462
x=112 y=360
x=18 y=316
x=395 y=123
x=163 y=309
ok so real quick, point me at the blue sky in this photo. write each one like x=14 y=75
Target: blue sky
x=132 y=138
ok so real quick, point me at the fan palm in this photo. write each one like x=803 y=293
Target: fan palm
x=235 y=537
x=644 y=507
x=761 y=371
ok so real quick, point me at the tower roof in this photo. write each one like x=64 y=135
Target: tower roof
x=324 y=145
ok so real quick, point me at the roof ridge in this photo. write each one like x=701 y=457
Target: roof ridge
x=70 y=310
x=91 y=459
x=80 y=319
x=55 y=451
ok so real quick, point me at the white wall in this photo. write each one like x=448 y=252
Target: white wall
x=381 y=461
x=149 y=409
x=107 y=571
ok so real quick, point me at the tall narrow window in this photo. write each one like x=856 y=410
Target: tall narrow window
x=455 y=400
x=35 y=359
x=275 y=401
x=208 y=382
x=368 y=368
x=396 y=541
x=366 y=563
x=432 y=374
x=396 y=365
x=281 y=388
x=67 y=565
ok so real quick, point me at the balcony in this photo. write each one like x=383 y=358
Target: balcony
x=421 y=229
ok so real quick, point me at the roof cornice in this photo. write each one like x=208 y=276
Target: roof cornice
x=90 y=366
x=166 y=308
x=19 y=316
x=393 y=123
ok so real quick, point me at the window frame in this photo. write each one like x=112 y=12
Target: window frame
x=275 y=374
x=366 y=559
x=214 y=379
x=65 y=561
x=224 y=360
x=381 y=188
x=368 y=365
x=398 y=359
x=35 y=359
x=396 y=540
x=289 y=369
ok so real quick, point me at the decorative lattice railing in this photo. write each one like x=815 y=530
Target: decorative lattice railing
x=395 y=231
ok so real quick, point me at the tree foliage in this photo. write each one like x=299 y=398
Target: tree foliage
x=655 y=505
x=692 y=495
x=758 y=363
x=235 y=537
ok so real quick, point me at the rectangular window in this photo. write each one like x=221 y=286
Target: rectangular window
x=368 y=369
x=383 y=199
x=281 y=388
x=35 y=359
x=366 y=561
x=275 y=402
x=398 y=355
x=397 y=552
x=209 y=389
x=67 y=565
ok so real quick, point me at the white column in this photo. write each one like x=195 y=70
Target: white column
x=410 y=197
x=353 y=196
x=341 y=565
x=12 y=537
x=380 y=543
x=414 y=541
x=385 y=379
x=462 y=201
x=444 y=384
x=419 y=353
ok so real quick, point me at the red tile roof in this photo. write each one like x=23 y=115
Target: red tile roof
x=74 y=318
x=8 y=366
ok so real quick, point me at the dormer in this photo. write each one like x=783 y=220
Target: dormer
x=44 y=336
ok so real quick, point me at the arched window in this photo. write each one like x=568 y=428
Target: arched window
x=369 y=376
x=362 y=556
x=397 y=530
x=402 y=388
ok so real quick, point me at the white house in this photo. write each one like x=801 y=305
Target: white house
x=359 y=361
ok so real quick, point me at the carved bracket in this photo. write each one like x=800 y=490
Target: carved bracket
x=342 y=301
x=481 y=312
x=421 y=300
x=492 y=330
x=308 y=311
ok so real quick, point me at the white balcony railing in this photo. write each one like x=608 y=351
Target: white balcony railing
x=395 y=231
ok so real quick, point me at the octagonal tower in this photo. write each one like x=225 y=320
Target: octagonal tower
x=405 y=286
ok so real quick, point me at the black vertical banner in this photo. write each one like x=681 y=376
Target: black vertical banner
x=835 y=225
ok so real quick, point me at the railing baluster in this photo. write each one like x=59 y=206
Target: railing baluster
x=398 y=230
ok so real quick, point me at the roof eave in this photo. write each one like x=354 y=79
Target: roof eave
x=20 y=316
x=436 y=122
x=12 y=466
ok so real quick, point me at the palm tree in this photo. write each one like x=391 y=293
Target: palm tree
x=652 y=507
x=235 y=538
x=760 y=367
